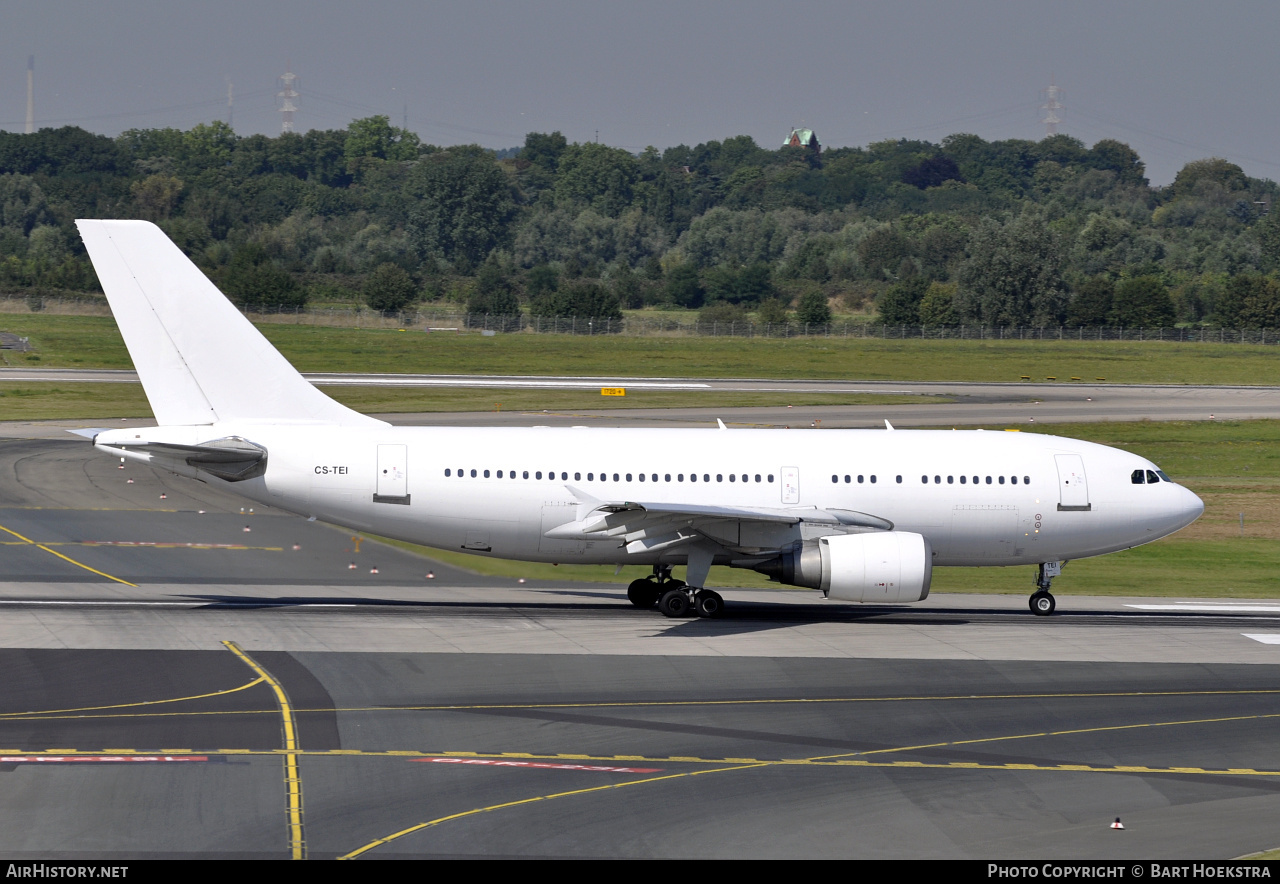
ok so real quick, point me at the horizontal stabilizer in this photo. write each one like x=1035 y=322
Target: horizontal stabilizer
x=233 y=458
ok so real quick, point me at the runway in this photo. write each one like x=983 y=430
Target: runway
x=971 y=404
x=178 y=687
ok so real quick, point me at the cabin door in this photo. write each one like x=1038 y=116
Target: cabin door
x=393 y=474
x=1073 y=487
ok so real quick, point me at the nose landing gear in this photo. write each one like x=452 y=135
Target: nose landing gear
x=1042 y=602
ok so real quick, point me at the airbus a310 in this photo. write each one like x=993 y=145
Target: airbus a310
x=860 y=515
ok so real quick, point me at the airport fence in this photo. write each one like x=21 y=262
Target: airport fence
x=441 y=321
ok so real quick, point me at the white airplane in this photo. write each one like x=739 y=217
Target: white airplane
x=861 y=515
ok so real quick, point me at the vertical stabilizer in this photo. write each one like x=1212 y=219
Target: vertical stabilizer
x=199 y=359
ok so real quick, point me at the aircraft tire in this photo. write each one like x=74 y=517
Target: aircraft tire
x=1041 y=603
x=708 y=603
x=674 y=603
x=643 y=593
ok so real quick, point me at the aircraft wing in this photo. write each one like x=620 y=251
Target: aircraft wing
x=651 y=526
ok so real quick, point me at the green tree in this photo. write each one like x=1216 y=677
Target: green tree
x=389 y=288
x=900 y=304
x=1249 y=300
x=596 y=175
x=813 y=308
x=463 y=206
x=375 y=138
x=584 y=300
x=938 y=306
x=684 y=289
x=493 y=294
x=254 y=280
x=1227 y=175
x=773 y=312
x=544 y=150
x=1013 y=276
x=1142 y=301
x=1092 y=304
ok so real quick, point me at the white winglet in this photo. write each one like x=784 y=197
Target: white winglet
x=887 y=425
x=721 y=424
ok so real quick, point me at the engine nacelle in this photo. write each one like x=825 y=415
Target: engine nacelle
x=885 y=566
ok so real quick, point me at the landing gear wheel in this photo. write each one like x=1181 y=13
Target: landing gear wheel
x=1042 y=604
x=643 y=593
x=674 y=603
x=708 y=603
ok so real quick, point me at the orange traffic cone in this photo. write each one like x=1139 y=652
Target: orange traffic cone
x=1117 y=824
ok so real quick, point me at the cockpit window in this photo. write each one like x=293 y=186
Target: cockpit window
x=1162 y=475
x=1139 y=477
x=1152 y=478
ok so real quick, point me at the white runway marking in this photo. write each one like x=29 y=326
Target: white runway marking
x=1267 y=638
x=1253 y=609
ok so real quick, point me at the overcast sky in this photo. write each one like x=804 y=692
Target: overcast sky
x=1176 y=79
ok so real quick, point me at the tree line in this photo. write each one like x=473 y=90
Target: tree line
x=965 y=231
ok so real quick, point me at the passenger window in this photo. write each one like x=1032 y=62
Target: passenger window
x=1026 y=480
x=924 y=480
x=757 y=478
x=899 y=480
x=1152 y=478
x=577 y=477
x=848 y=479
x=486 y=474
x=499 y=474
x=1139 y=477
x=771 y=478
x=873 y=479
x=615 y=477
x=951 y=480
x=591 y=477
x=525 y=474
x=667 y=477
x=859 y=480
x=962 y=479
x=706 y=477
x=655 y=477
x=937 y=480
x=988 y=480
x=1013 y=479
x=446 y=472
x=835 y=479
x=1001 y=480
x=719 y=477
x=641 y=476
x=679 y=477
x=628 y=477
x=473 y=474
x=564 y=475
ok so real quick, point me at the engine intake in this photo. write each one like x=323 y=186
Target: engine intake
x=887 y=566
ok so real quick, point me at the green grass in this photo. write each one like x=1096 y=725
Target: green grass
x=43 y=401
x=94 y=342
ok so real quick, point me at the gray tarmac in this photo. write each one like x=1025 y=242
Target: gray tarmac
x=465 y=716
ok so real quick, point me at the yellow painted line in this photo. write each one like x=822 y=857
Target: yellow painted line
x=292 y=778
x=67 y=558
x=479 y=810
x=51 y=713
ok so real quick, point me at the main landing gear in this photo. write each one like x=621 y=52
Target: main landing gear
x=674 y=598
x=1041 y=601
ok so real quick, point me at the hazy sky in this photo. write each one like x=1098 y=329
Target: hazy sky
x=1176 y=79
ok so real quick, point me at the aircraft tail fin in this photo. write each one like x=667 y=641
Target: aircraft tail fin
x=199 y=359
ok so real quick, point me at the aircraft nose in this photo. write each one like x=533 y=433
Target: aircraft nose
x=1189 y=507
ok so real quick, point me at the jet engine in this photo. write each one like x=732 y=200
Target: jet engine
x=884 y=566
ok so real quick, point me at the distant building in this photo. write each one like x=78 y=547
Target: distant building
x=803 y=138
